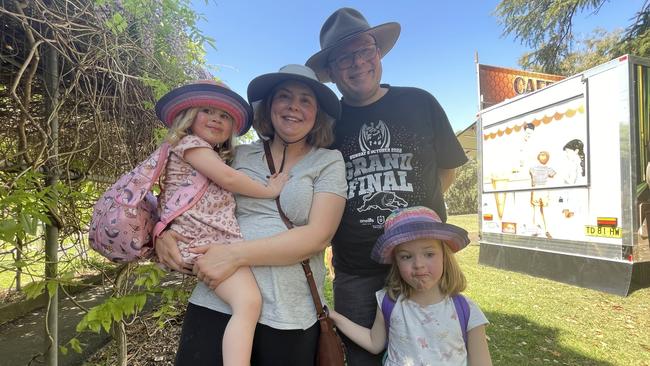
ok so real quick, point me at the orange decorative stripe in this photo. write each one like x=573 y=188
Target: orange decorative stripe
x=607 y=221
x=569 y=113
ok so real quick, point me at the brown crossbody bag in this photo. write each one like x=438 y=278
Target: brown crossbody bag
x=331 y=351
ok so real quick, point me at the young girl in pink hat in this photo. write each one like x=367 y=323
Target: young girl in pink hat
x=420 y=311
x=202 y=118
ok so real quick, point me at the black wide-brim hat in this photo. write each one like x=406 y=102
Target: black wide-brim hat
x=343 y=25
x=260 y=87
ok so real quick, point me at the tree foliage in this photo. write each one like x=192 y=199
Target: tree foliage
x=461 y=198
x=546 y=26
x=114 y=59
x=108 y=60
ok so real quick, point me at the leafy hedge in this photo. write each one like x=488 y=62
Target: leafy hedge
x=461 y=198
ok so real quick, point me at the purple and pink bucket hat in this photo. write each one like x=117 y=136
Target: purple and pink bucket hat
x=206 y=93
x=414 y=223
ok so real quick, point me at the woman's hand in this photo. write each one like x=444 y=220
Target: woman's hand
x=168 y=252
x=216 y=263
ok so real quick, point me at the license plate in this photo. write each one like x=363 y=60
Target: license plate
x=603 y=231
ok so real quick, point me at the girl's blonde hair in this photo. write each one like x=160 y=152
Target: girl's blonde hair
x=181 y=127
x=321 y=135
x=452 y=281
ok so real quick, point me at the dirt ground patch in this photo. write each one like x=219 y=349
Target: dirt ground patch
x=147 y=344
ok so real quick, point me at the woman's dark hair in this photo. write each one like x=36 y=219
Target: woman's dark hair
x=578 y=146
x=321 y=135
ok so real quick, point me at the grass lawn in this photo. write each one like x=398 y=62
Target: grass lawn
x=535 y=321
x=467 y=222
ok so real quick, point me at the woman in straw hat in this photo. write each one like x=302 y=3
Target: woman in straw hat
x=294 y=114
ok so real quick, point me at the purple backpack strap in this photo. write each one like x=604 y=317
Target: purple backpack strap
x=462 y=310
x=387 y=305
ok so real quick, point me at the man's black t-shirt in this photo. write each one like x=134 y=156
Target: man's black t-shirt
x=392 y=150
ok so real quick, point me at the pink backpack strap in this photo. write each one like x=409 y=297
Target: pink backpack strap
x=175 y=211
x=182 y=200
x=149 y=170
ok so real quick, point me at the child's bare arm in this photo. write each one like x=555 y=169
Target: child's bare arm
x=372 y=340
x=208 y=163
x=478 y=353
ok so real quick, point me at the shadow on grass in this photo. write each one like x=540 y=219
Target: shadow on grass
x=515 y=340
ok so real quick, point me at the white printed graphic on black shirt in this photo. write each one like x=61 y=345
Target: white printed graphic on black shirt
x=377 y=172
x=382 y=201
x=374 y=136
x=392 y=150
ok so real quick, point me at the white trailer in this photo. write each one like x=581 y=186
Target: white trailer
x=562 y=180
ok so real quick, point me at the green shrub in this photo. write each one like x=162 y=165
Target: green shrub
x=461 y=198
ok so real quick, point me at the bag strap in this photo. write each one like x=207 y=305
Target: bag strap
x=387 y=305
x=195 y=195
x=462 y=310
x=195 y=191
x=460 y=303
x=271 y=164
x=320 y=312
x=157 y=160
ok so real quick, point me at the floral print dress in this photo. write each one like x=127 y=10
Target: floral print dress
x=212 y=219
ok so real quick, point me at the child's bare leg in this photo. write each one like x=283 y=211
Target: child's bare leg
x=240 y=291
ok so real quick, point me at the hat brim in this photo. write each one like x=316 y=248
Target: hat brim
x=260 y=87
x=205 y=95
x=453 y=236
x=385 y=35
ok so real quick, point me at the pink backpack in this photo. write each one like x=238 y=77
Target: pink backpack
x=125 y=219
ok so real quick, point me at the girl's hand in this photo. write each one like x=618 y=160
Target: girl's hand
x=168 y=252
x=215 y=263
x=336 y=317
x=277 y=182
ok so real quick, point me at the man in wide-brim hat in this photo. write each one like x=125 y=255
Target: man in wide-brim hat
x=399 y=148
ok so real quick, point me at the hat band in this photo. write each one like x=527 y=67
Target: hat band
x=348 y=34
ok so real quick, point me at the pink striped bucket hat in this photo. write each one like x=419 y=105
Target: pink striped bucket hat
x=206 y=93
x=414 y=223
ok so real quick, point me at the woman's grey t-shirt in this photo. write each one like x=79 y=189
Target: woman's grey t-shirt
x=286 y=300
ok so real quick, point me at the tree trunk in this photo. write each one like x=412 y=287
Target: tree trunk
x=18 y=257
x=51 y=67
x=119 y=329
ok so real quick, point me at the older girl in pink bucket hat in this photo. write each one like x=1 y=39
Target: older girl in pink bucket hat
x=203 y=117
x=420 y=312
